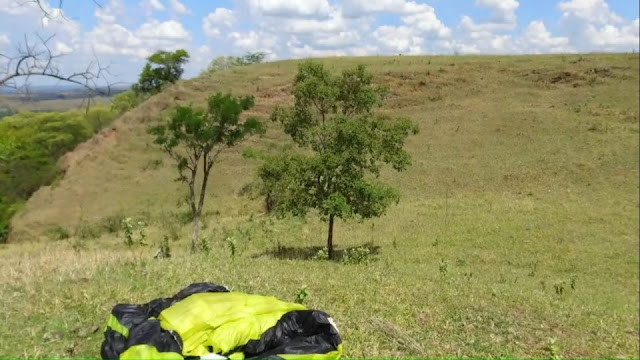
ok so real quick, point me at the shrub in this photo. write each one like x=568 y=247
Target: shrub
x=164 y=252
x=59 y=233
x=322 y=254
x=356 y=256
x=302 y=293
x=86 y=231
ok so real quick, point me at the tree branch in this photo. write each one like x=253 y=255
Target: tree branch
x=39 y=60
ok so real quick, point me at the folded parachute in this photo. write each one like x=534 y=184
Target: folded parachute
x=207 y=321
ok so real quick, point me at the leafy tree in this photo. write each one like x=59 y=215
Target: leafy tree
x=345 y=145
x=222 y=63
x=195 y=137
x=162 y=68
x=253 y=58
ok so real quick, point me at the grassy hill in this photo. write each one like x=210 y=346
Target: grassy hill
x=516 y=235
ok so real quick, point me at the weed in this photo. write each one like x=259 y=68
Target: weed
x=204 y=245
x=356 y=256
x=443 y=267
x=113 y=223
x=322 y=254
x=164 y=252
x=302 y=293
x=232 y=245
x=87 y=231
x=59 y=233
x=130 y=228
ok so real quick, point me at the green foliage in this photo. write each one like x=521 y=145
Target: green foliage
x=129 y=227
x=162 y=68
x=195 y=137
x=164 y=252
x=30 y=145
x=86 y=231
x=321 y=255
x=333 y=117
x=222 y=63
x=232 y=245
x=125 y=101
x=356 y=256
x=302 y=293
x=59 y=233
x=100 y=117
x=4 y=112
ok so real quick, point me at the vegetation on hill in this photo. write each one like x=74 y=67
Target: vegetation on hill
x=516 y=235
x=30 y=145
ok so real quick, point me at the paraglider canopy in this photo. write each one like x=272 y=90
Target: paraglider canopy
x=208 y=321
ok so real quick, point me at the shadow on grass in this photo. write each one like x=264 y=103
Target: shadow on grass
x=308 y=252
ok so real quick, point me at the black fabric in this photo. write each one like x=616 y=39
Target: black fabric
x=297 y=332
x=151 y=333
x=113 y=345
x=133 y=316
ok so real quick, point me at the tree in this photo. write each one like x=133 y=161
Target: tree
x=162 y=68
x=222 y=63
x=194 y=138
x=345 y=145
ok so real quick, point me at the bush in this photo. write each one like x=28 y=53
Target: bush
x=322 y=254
x=112 y=224
x=87 y=231
x=59 y=233
x=356 y=256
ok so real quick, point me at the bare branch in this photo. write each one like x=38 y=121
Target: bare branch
x=38 y=59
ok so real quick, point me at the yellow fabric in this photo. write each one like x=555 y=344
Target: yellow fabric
x=115 y=325
x=336 y=354
x=148 y=352
x=236 y=356
x=223 y=321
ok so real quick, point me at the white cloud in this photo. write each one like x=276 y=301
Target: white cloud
x=537 y=36
x=4 y=41
x=504 y=11
x=221 y=17
x=398 y=39
x=115 y=39
x=167 y=30
x=179 y=7
x=254 y=41
x=111 y=12
x=610 y=37
x=339 y=40
x=156 y=5
x=61 y=48
x=592 y=11
x=503 y=17
x=427 y=21
x=594 y=26
x=288 y=8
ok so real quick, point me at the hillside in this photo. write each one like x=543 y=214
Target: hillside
x=516 y=235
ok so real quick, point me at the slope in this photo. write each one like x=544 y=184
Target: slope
x=516 y=234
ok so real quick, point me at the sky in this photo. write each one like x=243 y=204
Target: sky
x=122 y=33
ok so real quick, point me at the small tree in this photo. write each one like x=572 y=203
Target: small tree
x=194 y=138
x=162 y=68
x=333 y=119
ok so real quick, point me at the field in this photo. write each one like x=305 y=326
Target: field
x=516 y=235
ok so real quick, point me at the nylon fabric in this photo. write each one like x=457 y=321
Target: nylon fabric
x=206 y=319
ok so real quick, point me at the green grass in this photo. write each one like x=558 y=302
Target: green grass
x=516 y=235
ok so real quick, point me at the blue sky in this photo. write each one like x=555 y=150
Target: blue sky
x=124 y=32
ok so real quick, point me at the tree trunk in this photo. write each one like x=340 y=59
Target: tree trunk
x=194 y=233
x=330 y=238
